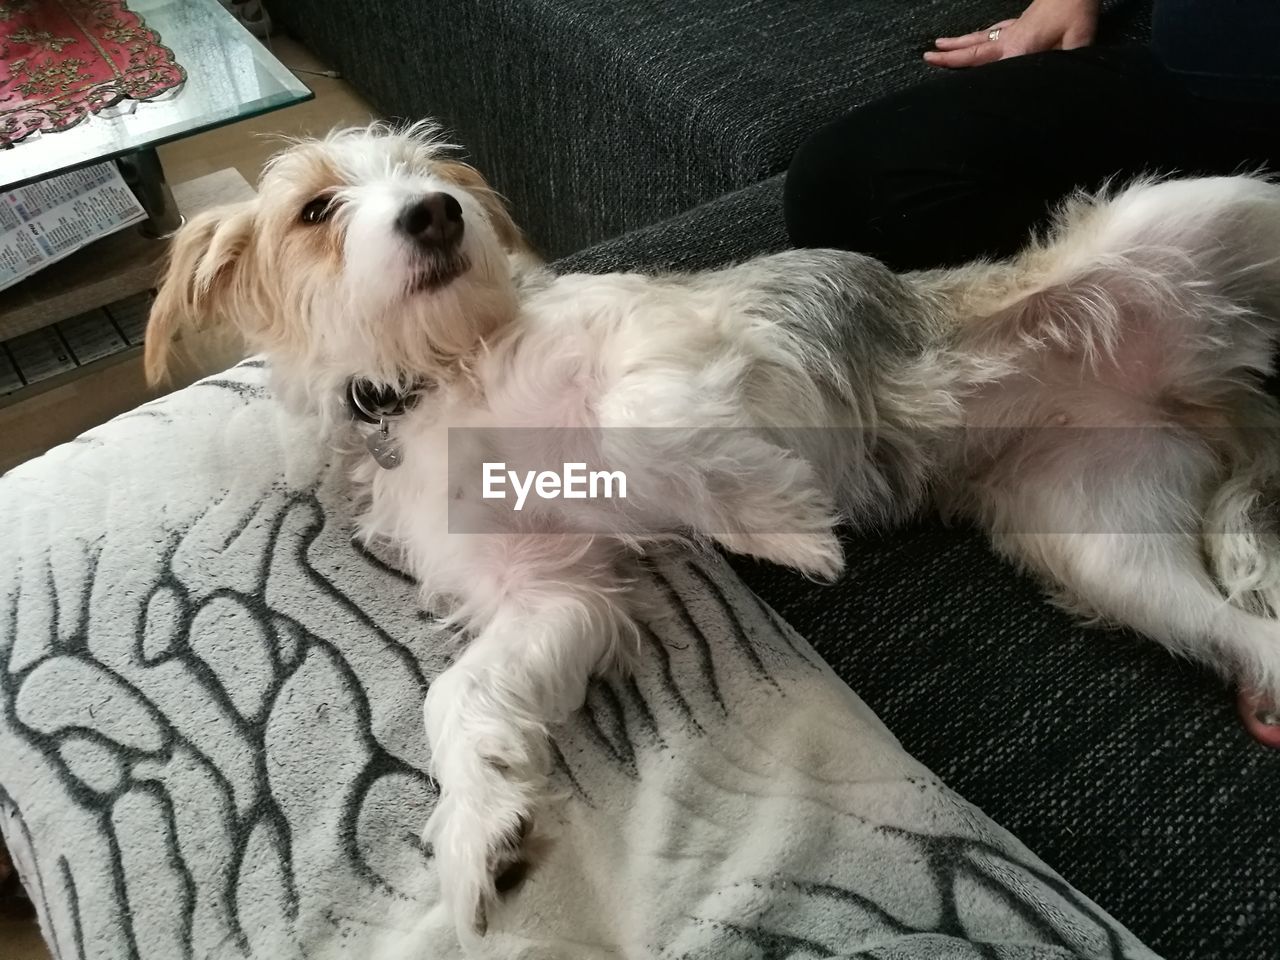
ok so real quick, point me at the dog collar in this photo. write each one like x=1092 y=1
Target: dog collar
x=380 y=406
x=374 y=404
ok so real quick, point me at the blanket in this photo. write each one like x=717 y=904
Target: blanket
x=211 y=743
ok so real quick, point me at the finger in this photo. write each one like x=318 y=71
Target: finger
x=971 y=39
x=968 y=57
x=956 y=43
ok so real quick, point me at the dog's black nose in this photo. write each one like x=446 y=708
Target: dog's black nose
x=434 y=220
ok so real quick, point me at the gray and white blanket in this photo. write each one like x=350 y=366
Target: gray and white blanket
x=211 y=746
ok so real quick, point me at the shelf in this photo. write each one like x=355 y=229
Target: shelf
x=109 y=269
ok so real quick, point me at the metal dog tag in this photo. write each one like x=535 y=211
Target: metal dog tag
x=384 y=450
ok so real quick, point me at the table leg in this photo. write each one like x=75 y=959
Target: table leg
x=144 y=174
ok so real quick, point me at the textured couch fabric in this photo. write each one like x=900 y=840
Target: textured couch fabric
x=598 y=116
x=1121 y=766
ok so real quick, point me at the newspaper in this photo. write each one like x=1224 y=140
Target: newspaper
x=43 y=222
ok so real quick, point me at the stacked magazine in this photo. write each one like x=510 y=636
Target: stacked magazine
x=43 y=222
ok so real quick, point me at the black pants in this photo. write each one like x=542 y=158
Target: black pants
x=968 y=164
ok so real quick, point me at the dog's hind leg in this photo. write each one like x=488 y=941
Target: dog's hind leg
x=1242 y=548
x=700 y=462
x=1156 y=584
x=1144 y=324
x=1242 y=522
x=1115 y=520
x=759 y=499
x=1242 y=542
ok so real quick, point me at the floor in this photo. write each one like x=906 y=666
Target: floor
x=30 y=427
x=20 y=940
x=93 y=400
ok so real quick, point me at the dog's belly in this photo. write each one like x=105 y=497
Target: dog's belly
x=1071 y=444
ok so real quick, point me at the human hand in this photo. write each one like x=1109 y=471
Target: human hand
x=1045 y=25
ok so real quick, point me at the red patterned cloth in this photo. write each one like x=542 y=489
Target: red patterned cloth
x=62 y=60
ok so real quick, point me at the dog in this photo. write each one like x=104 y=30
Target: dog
x=1094 y=403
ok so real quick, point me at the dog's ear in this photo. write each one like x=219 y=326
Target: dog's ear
x=203 y=255
x=470 y=179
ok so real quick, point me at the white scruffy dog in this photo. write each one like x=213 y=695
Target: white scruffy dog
x=1094 y=402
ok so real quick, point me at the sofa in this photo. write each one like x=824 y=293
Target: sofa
x=647 y=135
x=595 y=117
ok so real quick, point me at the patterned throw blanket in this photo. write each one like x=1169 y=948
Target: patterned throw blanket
x=65 y=60
x=211 y=745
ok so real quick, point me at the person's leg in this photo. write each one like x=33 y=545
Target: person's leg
x=968 y=164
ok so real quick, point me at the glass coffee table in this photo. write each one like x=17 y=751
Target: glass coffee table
x=82 y=317
x=230 y=76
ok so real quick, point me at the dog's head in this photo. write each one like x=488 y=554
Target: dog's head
x=370 y=253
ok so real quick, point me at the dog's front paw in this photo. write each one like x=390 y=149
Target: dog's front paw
x=477 y=831
x=491 y=773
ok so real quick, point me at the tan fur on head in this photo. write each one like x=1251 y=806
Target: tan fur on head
x=202 y=256
x=320 y=273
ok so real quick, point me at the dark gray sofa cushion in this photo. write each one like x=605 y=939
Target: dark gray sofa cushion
x=595 y=117
x=740 y=224
x=1124 y=768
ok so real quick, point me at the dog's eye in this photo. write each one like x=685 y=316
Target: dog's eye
x=318 y=210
